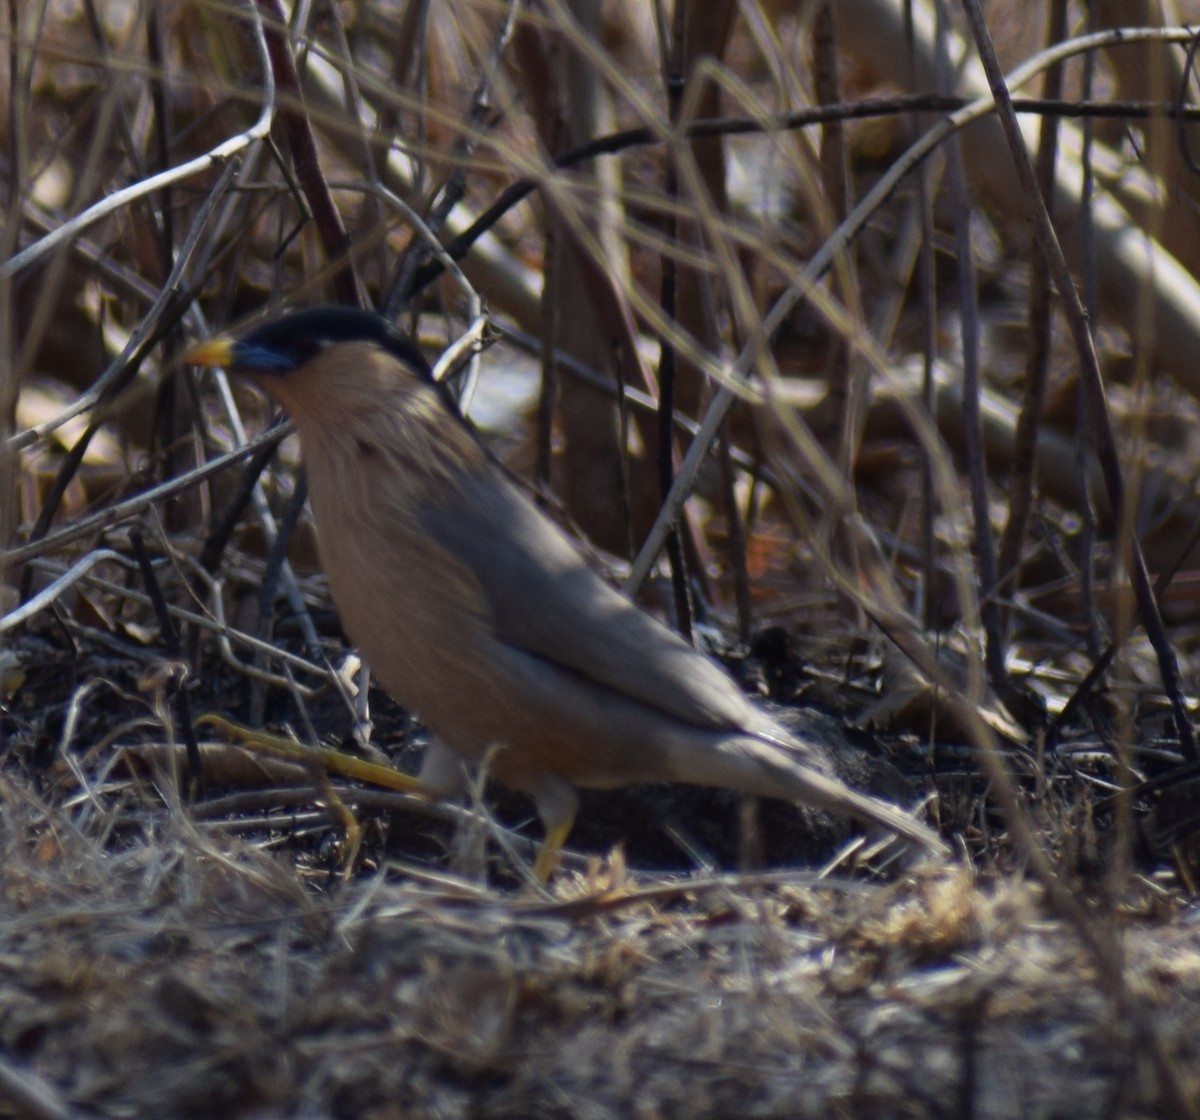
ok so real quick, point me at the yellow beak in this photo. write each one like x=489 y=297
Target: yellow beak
x=216 y=351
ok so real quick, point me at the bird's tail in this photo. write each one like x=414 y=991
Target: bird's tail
x=764 y=768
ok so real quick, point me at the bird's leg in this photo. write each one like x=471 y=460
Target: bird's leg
x=557 y=804
x=548 y=853
x=443 y=773
x=448 y=776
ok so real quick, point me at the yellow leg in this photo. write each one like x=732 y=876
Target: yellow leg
x=557 y=804
x=552 y=845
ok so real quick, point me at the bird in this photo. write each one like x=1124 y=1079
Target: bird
x=479 y=614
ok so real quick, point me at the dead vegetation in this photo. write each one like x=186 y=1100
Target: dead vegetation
x=914 y=489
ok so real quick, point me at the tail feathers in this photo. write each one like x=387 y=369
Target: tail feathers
x=754 y=766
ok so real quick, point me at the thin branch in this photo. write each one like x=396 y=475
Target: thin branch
x=805 y=283
x=110 y=204
x=123 y=511
x=1093 y=383
x=305 y=158
x=618 y=142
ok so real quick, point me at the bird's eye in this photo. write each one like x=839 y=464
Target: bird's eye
x=303 y=350
x=366 y=450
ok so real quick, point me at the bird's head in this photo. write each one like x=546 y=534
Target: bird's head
x=301 y=341
x=348 y=379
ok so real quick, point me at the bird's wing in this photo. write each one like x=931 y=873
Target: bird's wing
x=545 y=600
